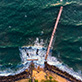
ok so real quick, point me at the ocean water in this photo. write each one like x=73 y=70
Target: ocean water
x=22 y=21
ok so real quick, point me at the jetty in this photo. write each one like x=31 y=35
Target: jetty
x=54 y=30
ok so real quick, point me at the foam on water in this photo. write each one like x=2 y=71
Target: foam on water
x=31 y=50
x=41 y=59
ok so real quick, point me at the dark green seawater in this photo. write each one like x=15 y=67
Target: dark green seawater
x=22 y=21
